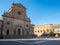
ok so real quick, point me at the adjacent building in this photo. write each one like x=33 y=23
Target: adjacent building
x=45 y=29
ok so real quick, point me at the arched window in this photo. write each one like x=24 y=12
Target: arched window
x=47 y=30
x=19 y=31
x=35 y=31
x=38 y=31
x=7 y=32
x=44 y=31
x=41 y=30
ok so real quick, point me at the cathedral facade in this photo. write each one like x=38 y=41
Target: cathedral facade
x=15 y=21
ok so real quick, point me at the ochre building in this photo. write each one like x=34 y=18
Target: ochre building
x=45 y=29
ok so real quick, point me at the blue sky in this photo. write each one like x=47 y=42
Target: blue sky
x=39 y=11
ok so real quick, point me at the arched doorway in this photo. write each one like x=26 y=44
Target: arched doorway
x=7 y=31
x=19 y=31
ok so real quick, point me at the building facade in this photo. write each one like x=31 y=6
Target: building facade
x=15 y=21
x=45 y=29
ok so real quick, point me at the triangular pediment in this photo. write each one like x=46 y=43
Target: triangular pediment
x=17 y=11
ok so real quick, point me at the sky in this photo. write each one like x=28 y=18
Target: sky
x=39 y=11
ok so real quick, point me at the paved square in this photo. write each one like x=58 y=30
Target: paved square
x=31 y=42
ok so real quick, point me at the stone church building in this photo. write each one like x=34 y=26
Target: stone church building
x=15 y=21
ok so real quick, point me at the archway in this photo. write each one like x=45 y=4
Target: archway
x=18 y=30
x=7 y=31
